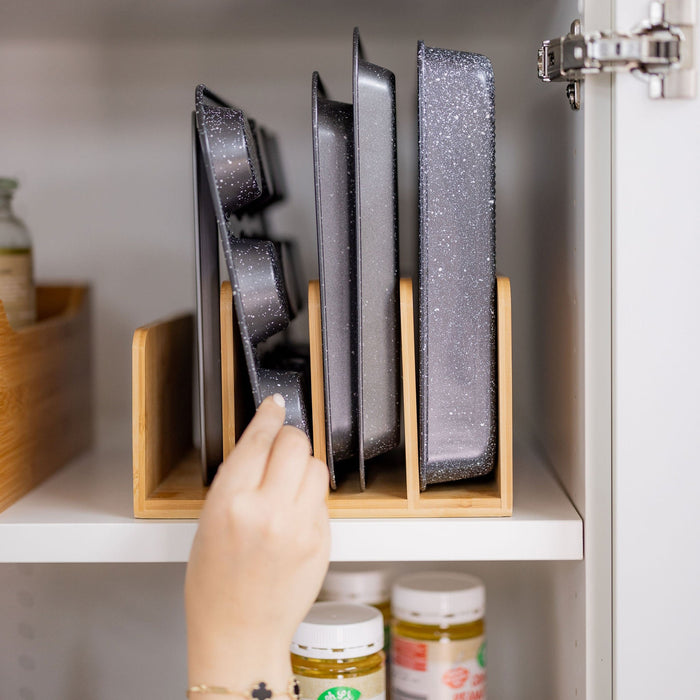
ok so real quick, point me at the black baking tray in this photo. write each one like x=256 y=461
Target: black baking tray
x=334 y=179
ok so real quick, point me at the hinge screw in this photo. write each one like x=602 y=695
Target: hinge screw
x=573 y=93
x=573 y=89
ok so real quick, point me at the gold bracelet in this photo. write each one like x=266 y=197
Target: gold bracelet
x=258 y=692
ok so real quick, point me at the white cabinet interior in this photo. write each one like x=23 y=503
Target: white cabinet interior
x=96 y=125
x=110 y=631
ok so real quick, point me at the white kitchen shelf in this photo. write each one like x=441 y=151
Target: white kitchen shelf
x=84 y=514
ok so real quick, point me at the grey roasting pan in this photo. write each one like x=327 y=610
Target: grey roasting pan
x=457 y=339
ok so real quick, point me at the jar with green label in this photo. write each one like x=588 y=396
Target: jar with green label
x=16 y=272
x=337 y=653
x=438 y=642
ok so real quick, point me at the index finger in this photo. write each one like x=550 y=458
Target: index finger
x=244 y=468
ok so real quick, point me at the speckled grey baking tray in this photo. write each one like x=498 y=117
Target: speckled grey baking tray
x=376 y=221
x=334 y=178
x=232 y=164
x=457 y=330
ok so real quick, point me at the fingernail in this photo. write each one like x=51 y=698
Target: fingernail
x=278 y=399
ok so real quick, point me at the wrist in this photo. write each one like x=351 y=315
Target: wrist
x=260 y=691
x=239 y=665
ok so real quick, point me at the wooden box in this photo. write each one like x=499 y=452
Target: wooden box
x=167 y=479
x=45 y=390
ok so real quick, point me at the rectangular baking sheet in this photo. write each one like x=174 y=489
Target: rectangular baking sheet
x=457 y=332
x=376 y=222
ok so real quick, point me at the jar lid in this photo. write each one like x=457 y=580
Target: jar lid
x=439 y=598
x=357 y=583
x=339 y=631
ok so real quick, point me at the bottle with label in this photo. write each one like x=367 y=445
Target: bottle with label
x=337 y=653
x=16 y=272
x=438 y=642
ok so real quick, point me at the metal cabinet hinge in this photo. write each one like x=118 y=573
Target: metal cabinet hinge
x=659 y=50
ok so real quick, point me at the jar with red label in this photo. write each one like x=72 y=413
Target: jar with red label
x=438 y=641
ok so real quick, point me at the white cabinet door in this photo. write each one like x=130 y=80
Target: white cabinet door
x=656 y=385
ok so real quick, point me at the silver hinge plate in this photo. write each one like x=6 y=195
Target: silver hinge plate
x=659 y=50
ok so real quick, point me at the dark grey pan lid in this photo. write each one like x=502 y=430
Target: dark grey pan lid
x=457 y=332
x=332 y=132
x=374 y=102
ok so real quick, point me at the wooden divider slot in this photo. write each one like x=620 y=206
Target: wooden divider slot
x=166 y=468
x=387 y=493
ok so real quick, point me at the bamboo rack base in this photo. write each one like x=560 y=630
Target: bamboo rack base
x=167 y=477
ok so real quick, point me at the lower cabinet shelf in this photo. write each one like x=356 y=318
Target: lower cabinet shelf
x=84 y=513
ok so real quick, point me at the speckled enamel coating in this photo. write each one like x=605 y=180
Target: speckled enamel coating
x=376 y=222
x=233 y=167
x=457 y=325
x=334 y=179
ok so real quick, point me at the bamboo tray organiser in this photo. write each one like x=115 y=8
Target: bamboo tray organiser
x=167 y=478
x=45 y=390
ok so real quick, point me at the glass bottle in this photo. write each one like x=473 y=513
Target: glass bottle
x=16 y=271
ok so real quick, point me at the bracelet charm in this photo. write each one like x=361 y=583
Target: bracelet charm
x=258 y=692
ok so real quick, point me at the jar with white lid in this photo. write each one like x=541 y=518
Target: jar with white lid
x=360 y=583
x=438 y=642
x=337 y=653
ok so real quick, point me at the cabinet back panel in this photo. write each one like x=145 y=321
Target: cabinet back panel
x=101 y=144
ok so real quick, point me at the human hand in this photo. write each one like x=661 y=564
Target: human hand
x=259 y=556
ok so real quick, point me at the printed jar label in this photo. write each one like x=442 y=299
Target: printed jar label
x=16 y=287
x=371 y=687
x=449 y=670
